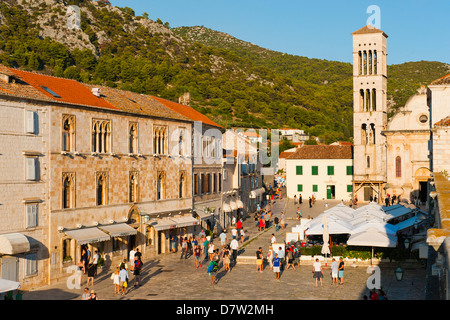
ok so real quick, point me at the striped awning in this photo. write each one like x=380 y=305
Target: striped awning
x=119 y=230
x=88 y=235
x=14 y=243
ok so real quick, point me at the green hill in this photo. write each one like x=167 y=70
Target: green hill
x=231 y=81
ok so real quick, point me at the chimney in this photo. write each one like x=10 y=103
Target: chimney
x=4 y=77
x=96 y=92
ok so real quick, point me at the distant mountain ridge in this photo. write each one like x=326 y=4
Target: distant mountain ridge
x=233 y=82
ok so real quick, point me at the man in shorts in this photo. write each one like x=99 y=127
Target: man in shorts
x=317 y=271
x=276 y=266
x=198 y=256
x=259 y=260
x=334 y=272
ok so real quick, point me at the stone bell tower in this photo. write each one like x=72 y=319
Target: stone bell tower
x=369 y=112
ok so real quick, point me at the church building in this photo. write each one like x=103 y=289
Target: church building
x=390 y=155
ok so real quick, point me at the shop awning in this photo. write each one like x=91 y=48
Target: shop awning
x=227 y=208
x=119 y=230
x=88 y=235
x=256 y=192
x=203 y=215
x=240 y=204
x=14 y=243
x=233 y=205
x=162 y=224
x=185 y=221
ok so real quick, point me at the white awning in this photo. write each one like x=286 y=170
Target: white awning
x=14 y=243
x=240 y=204
x=88 y=235
x=227 y=208
x=8 y=285
x=233 y=205
x=256 y=192
x=119 y=230
x=162 y=224
x=185 y=221
x=203 y=215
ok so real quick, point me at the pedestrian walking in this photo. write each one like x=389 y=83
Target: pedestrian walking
x=300 y=200
x=276 y=266
x=295 y=199
x=116 y=280
x=198 y=256
x=273 y=239
x=90 y=275
x=270 y=257
x=341 y=270
x=234 y=245
x=211 y=249
x=275 y=222
x=95 y=259
x=137 y=271
x=310 y=202
x=259 y=260
x=223 y=238
x=131 y=258
x=234 y=233
x=212 y=271
x=242 y=235
x=226 y=259
x=123 y=280
x=184 y=248
x=317 y=272
x=334 y=272
x=297 y=257
x=290 y=260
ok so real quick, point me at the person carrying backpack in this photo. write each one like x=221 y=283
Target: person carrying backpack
x=137 y=271
x=212 y=271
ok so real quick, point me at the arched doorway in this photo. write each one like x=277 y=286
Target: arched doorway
x=421 y=178
x=134 y=220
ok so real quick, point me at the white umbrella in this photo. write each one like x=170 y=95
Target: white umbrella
x=372 y=237
x=8 y=285
x=334 y=227
x=326 y=236
x=387 y=228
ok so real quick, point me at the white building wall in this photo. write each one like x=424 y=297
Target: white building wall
x=340 y=180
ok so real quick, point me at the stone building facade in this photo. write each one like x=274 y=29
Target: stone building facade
x=87 y=167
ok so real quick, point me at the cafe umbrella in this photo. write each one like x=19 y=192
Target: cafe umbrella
x=372 y=237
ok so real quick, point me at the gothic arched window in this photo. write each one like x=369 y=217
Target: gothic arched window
x=398 y=167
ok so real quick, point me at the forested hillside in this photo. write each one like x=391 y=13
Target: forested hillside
x=236 y=85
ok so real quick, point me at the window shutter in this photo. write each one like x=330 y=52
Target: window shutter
x=349 y=170
x=31 y=168
x=330 y=170
x=349 y=188
x=31 y=264
x=30 y=122
x=32 y=215
x=300 y=188
x=315 y=170
x=299 y=170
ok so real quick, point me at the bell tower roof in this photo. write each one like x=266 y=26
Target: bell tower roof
x=369 y=29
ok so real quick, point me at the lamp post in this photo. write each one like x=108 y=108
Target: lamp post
x=398 y=273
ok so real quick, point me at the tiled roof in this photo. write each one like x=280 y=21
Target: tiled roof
x=187 y=111
x=69 y=91
x=323 y=152
x=285 y=154
x=136 y=103
x=369 y=29
x=443 y=80
x=443 y=123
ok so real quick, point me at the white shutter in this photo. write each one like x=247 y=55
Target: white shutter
x=31 y=267
x=32 y=215
x=29 y=121
x=31 y=168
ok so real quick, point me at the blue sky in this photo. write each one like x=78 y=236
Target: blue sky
x=417 y=29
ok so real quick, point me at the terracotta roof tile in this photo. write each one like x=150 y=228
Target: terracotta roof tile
x=443 y=123
x=323 y=152
x=136 y=103
x=69 y=91
x=444 y=80
x=187 y=111
x=369 y=29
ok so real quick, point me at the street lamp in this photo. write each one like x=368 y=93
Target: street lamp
x=398 y=273
x=406 y=243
